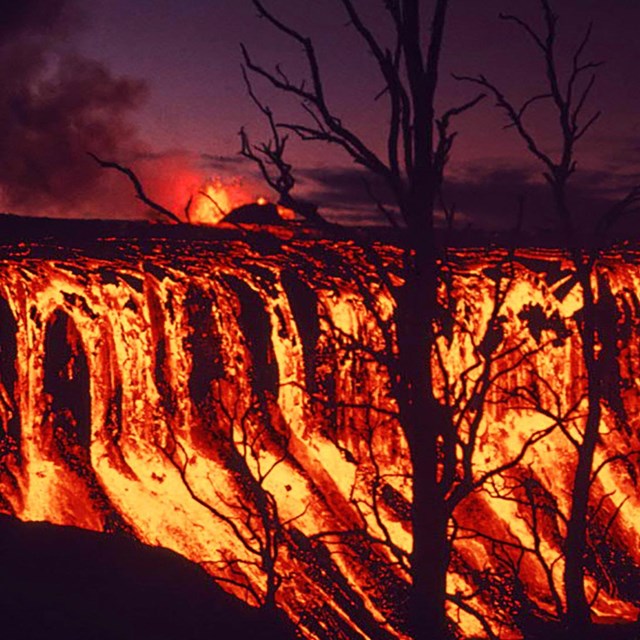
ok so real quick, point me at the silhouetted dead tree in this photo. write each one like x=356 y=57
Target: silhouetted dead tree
x=569 y=97
x=541 y=508
x=277 y=173
x=505 y=583
x=418 y=146
x=252 y=515
x=497 y=350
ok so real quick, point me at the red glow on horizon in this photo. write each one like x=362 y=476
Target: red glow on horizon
x=198 y=199
x=213 y=200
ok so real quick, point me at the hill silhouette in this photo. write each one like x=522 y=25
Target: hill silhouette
x=254 y=213
x=62 y=582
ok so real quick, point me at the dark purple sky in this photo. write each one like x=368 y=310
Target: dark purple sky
x=177 y=114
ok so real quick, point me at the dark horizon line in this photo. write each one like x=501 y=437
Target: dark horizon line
x=71 y=231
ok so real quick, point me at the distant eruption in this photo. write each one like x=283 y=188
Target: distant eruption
x=217 y=198
x=57 y=105
x=175 y=182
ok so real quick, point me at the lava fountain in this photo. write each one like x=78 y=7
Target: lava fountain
x=216 y=198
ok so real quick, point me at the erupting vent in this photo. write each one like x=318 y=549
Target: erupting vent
x=231 y=401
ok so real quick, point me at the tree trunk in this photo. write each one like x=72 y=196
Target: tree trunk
x=422 y=419
x=430 y=555
x=578 y=617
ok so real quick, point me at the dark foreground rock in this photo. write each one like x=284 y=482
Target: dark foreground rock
x=62 y=582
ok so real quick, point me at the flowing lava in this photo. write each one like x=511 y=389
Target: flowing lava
x=230 y=400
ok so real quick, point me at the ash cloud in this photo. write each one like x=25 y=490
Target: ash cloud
x=55 y=105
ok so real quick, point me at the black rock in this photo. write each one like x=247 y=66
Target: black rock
x=63 y=582
x=255 y=214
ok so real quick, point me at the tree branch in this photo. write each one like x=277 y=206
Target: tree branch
x=140 y=193
x=514 y=115
x=351 y=143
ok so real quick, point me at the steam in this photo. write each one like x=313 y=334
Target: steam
x=55 y=105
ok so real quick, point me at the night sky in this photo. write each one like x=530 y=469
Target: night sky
x=156 y=84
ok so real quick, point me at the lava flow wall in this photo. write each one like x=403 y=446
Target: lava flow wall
x=231 y=401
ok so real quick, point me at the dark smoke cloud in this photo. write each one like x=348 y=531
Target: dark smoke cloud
x=56 y=105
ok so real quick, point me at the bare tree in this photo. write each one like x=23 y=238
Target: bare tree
x=440 y=417
x=497 y=350
x=569 y=97
x=253 y=516
x=418 y=145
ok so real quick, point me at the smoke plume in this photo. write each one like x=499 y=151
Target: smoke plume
x=55 y=105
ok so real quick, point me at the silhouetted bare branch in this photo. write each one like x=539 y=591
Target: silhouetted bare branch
x=140 y=192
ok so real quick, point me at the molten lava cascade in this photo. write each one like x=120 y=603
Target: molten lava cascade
x=233 y=403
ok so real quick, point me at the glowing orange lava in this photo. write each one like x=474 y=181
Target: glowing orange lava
x=233 y=403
